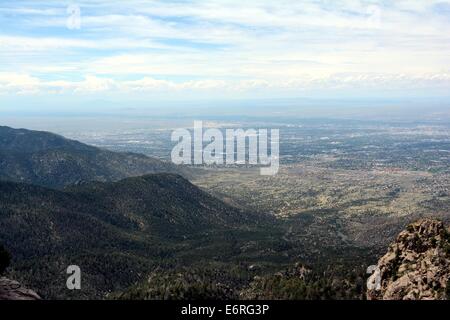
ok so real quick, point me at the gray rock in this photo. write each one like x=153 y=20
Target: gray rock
x=13 y=290
x=416 y=266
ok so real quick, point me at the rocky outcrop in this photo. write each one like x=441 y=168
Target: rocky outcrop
x=416 y=266
x=12 y=290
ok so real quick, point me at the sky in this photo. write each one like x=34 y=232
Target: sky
x=53 y=52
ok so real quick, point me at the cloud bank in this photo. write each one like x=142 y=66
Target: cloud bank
x=224 y=47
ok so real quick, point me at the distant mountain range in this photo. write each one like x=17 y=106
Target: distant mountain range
x=50 y=160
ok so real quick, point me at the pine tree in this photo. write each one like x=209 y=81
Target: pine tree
x=4 y=259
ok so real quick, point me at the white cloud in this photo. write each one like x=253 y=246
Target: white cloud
x=33 y=44
x=26 y=84
x=224 y=45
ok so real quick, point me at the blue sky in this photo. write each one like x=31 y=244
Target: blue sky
x=218 y=50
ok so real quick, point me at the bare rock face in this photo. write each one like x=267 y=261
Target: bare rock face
x=416 y=266
x=12 y=290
